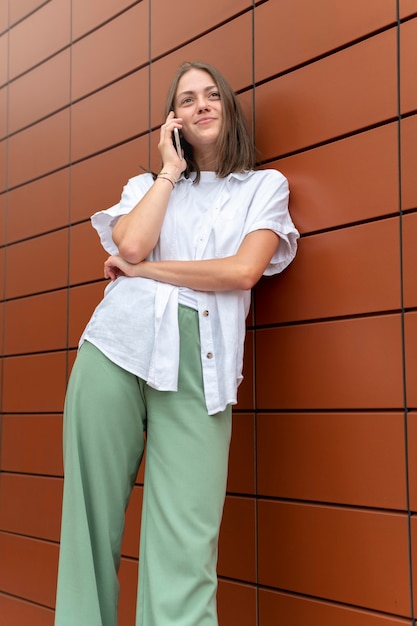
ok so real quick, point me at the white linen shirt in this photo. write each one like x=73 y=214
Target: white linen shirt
x=136 y=323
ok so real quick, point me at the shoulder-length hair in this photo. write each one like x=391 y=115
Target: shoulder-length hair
x=235 y=148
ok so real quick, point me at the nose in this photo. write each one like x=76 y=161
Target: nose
x=203 y=104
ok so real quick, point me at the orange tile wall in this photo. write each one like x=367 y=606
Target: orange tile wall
x=320 y=522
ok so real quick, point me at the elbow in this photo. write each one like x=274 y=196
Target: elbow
x=247 y=278
x=132 y=252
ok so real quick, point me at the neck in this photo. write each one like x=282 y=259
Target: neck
x=207 y=162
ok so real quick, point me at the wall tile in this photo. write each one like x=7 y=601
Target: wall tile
x=346 y=458
x=342 y=272
x=117 y=48
x=23 y=498
x=31 y=97
x=88 y=15
x=2 y=230
x=4 y=45
x=38 y=207
x=128 y=577
x=111 y=116
x=218 y=48
x=29 y=568
x=412 y=458
x=414 y=552
x=163 y=15
x=130 y=544
x=284 y=36
x=46 y=275
x=32 y=444
x=407 y=7
x=17 y=611
x=241 y=478
x=411 y=357
x=84 y=244
x=236 y=603
x=3 y=165
x=46 y=313
x=3 y=112
x=332 y=97
x=19 y=9
x=82 y=302
x=356 y=557
x=39 y=150
x=245 y=392
x=4 y=16
x=237 y=546
x=277 y=608
x=408 y=69
x=330 y=186
x=44 y=379
x=33 y=40
x=345 y=364
x=409 y=234
x=97 y=183
x=408 y=160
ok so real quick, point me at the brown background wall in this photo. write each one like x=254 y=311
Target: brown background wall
x=320 y=521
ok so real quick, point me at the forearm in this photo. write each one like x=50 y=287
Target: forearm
x=137 y=233
x=225 y=274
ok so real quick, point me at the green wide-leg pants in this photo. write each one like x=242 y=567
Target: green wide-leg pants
x=107 y=411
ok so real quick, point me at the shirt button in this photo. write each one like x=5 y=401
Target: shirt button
x=205 y=313
x=209 y=355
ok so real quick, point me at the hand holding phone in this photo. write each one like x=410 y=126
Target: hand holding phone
x=178 y=143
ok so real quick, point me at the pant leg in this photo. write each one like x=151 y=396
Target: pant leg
x=103 y=446
x=185 y=484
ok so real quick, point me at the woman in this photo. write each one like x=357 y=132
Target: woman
x=162 y=354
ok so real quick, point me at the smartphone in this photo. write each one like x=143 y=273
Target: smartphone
x=177 y=142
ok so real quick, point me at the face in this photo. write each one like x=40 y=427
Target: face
x=197 y=102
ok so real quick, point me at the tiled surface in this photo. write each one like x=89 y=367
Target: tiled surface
x=331 y=187
x=407 y=8
x=408 y=160
x=91 y=192
x=348 y=364
x=87 y=16
x=96 y=61
x=207 y=16
x=315 y=521
x=276 y=608
x=32 y=444
x=329 y=98
x=36 y=85
x=284 y=36
x=310 y=456
x=16 y=611
x=337 y=273
x=29 y=568
x=408 y=57
x=110 y=116
x=22 y=497
x=38 y=207
x=33 y=40
x=301 y=549
x=39 y=150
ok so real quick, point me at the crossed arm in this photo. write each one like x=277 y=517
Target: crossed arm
x=238 y=271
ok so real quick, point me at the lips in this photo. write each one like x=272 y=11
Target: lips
x=205 y=120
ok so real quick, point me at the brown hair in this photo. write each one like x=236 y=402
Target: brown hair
x=235 y=149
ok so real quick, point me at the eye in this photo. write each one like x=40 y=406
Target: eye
x=214 y=95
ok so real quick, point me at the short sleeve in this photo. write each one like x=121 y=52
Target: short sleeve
x=270 y=211
x=104 y=221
